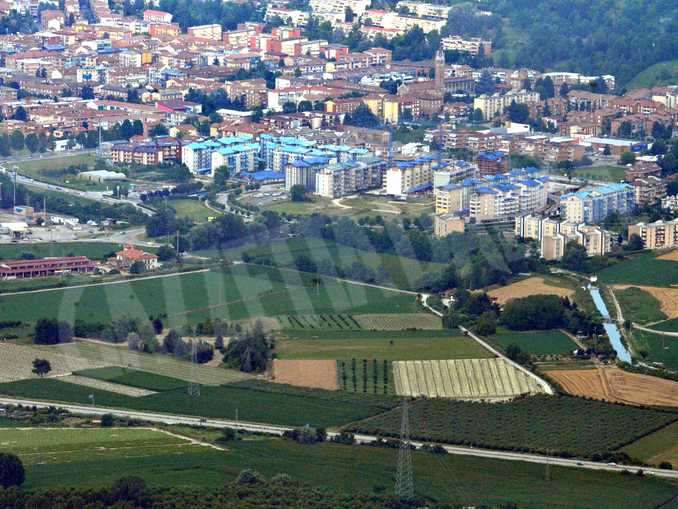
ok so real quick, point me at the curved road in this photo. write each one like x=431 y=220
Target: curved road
x=271 y=429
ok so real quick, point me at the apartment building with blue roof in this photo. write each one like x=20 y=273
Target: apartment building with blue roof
x=594 y=204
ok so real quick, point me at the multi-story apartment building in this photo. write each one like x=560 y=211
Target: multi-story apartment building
x=553 y=236
x=407 y=177
x=236 y=154
x=472 y=45
x=495 y=104
x=595 y=204
x=302 y=172
x=657 y=235
x=423 y=9
x=345 y=178
x=210 y=32
x=497 y=202
x=147 y=152
x=492 y=163
x=649 y=190
x=293 y=17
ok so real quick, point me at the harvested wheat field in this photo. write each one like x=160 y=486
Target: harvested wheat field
x=672 y=256
x=526 y=287
x=16 y=361
x=614 y=384
x=473 y=379
x=667 y=297
x=401 y=321
x=316 y=374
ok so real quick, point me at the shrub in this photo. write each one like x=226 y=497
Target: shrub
x=12 y=471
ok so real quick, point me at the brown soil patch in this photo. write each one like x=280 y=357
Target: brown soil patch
x=667 y=297
x=316 y=374
x=526 y=287
x=614 y=384
x=671 y=256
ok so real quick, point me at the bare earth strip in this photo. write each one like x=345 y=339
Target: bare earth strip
x=614 y=384
x=317 y=374
x=463 y=379
x=526 y=287
x=667 y=297
x=671 y=256
x=16 y=361
x=126 y=390
x=402 y=321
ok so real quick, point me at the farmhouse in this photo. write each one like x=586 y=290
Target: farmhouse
x=26 y=269
x=129 y=255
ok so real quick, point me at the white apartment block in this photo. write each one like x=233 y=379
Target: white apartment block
x=339 y=6
x=472 y=45
x=291 y=17
x=341 y=179
x=423 y=9
x=407 y=177
x=595 y=204
x=495 y=104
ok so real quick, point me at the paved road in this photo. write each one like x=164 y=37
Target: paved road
x=271 y=429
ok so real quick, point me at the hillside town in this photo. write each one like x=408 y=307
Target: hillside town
x=230 y=230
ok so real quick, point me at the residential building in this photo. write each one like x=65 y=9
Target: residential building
x=495 y=104
x=341 y=179
x=446 y=224
x=472 y=45
x=407 y=177
x=492 y=163
x=594 y=204
x=657 y=235
x=130 y=255
x=649 y=190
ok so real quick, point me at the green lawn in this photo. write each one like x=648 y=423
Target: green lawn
x=642 y=269
x=550 y=342
x=458 y=480
x=401 y=272
x=235 y=293
x=256 y=402
x=667 y=325
x=657 y=447
x=134 y=378
x=601 y=173
x=398 y=345
x=192 y=209
x=36 y=164
x=639 y=306
x=659 y=348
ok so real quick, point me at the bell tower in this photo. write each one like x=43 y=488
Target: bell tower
x=440 y=71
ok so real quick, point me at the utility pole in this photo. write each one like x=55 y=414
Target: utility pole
x=404 y=488
x=193 y=388
x=14 y=191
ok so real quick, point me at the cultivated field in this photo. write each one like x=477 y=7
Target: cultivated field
x=644 y=269
x=91 y=355
x=657 y=303
x=103 y=385
x=531 y=286
x=396 y=345
x=541 y=423
x=549 y=342
x=660 y=446
x=402 y=321
x=464 y=379
x=231 y=294
x=657 y=348
x=16 y=361
x=616 y=385
x=337 y=322
x=316 y=374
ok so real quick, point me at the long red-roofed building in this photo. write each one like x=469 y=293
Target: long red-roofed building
x=44 y=267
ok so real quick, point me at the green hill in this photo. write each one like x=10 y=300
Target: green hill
x=663 y=73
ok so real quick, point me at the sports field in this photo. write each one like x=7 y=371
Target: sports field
x=164 y=460
x=551 y=342
x=234 y=293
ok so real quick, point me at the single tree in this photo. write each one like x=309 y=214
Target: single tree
x=12 y=471
x=41 y=367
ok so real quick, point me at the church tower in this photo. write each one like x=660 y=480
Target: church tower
x=440 y=72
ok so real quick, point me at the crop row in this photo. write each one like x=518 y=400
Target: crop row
x=333 y=322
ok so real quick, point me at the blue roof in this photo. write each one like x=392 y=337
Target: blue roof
x=420 y=188
x=266 y=175
x=492 y=156
x=485 y=190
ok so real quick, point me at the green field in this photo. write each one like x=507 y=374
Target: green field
x=550 y=342
x=642 y=269
x=657 y=447
x=601 y=173
x=192 y=209
x=134 y=378
x=546 y=424
x=93 y=250
x=402 y=272
x=318 y=322
x=398 y=345
x=235 y=293
x=660 y=74
x=254 y=401
x=639 y=306
x=55 y=163
x=659 y=348
x=98 y=458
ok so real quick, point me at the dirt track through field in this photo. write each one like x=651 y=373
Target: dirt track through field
x=526 y=287
x=614 y=384
x=317 y=374
x=671 y=256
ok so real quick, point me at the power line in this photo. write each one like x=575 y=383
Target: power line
x=404 y=488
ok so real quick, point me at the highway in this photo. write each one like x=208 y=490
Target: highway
x=272 y=429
